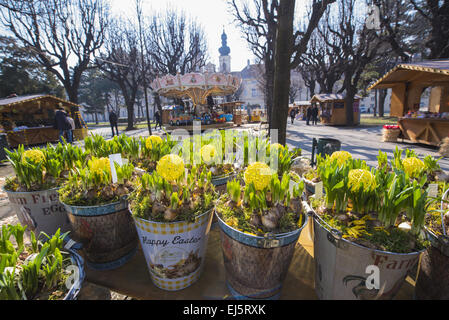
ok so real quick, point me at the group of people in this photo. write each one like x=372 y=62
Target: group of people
x=311 y=114
x=65 y=124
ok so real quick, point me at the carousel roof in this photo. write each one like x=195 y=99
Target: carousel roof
x=196 y=86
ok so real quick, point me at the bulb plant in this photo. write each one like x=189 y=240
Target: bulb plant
x=367 y=205
x=92 y=185
x=265 y=204
x=171 y=194
x=35 y=270
x=40 y=169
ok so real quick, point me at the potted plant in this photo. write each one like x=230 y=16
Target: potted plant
x=153 y=148
x=260 y=224
x=32 y=192
x=368 y=218
x=432 y=282
x=39 y=270
x=172 y=213
x=98 y=212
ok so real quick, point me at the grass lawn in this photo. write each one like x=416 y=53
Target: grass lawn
x=370 y=120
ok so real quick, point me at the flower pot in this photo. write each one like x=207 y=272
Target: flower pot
x=77 y=261
x=174 y=251
x=256 y=266
x=106 y=232
x=39 y=210
x=433 y=277
x=341 y=267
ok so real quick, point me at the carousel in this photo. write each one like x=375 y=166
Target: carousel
x=197 y=87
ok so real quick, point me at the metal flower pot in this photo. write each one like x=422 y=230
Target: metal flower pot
x=343 y=269
x=174 y=251
x=77 y=261
x=39 y=210
x=433 y=277
x=256 y=266
x=106 y=232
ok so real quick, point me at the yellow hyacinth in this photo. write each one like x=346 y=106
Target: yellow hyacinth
x=99 y=164
x=33 y=156
x=153 y=141
x=208 y=153
x=341 y=157
x=413 y=166
x=259 y=174
x=170 y=167
x=359 y=177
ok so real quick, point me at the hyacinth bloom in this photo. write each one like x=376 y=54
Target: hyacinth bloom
x=359 y=178
x=341 y=157
x=258 y=173
x=153 y=141
x=98 y=165
x=413 y=166
x=33 y=156
x=208 y=153
x=170 y=167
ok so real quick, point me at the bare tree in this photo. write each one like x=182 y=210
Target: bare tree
x=121 y=63
x=175 y=43
x=143 y=70
x=436 y=13
x=63 y=35
x=258 y=23
x=360 y=47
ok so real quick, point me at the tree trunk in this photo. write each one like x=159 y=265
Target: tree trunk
x=283 y=53
x=382 y=97
x=96 y=118
x=376 y=102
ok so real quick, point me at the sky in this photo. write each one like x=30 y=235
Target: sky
x=213 y=15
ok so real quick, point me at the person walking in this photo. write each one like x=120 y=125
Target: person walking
x=308 y=115
x=113 y=119
x=158 y=118
x=315 y=115
x=72 y=124
x=63 y=125
x=292 y=115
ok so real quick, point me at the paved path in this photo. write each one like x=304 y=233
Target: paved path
x=364 y=142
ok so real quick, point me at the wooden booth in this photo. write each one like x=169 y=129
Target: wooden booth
x=408 y=82
x=29 y=120
x=332 y=109
x=233 y=108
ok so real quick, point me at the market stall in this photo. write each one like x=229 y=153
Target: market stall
x=300 y=107
x=29 y=120
x=408 y=82
x=332 y=108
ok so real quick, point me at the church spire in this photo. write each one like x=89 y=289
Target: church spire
x=224 y=50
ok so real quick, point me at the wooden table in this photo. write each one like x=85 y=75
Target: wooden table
x=429 y=131
x=133 y=279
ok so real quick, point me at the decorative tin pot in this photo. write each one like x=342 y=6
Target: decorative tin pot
x=77 y=261
x=106 y=232
x=174 y=251
x=39 y=210
x=256 y=266
x=433 y=277
x=343 y=269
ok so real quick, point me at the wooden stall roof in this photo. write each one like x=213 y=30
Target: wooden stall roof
x=437 y=70
x=10 y=102
x=302 y=103
x=325 y=97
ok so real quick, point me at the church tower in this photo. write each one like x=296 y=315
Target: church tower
x=225 y=58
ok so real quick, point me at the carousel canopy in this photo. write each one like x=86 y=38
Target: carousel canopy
x=196 y=86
